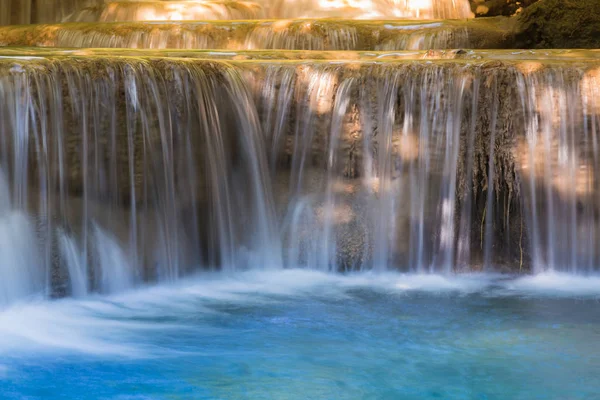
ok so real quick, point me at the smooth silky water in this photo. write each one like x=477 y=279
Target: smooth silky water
x=298 y=334
x=268 y=221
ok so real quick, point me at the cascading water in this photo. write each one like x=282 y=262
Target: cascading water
x=387 y=161
x=177 y=11
x=558 y=159
x=127 y=167
x=44 y=11
x=143 y=173
x=259 y=34
x=20 y=269
x=221 y=199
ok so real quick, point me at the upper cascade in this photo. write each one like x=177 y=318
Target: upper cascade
x=226 y=9
x=53 y=11
x=372 y=9
x=299 y=34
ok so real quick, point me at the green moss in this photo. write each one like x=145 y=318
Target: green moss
x=491 y=33
x=560 y=24
x=492 y=8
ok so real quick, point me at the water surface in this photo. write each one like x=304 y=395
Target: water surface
x=308 y=335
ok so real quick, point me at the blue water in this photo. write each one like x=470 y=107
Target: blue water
x=306 y=335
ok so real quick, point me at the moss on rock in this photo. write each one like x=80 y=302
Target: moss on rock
x=560 y=24
x=493 y=8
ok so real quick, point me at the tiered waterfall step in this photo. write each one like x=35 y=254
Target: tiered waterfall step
x=511 y=57
x=329 y=143
x=268 y=34
x=41 y=11
x=464 y=141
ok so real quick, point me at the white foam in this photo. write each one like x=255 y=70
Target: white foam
x=431 y=283
x=555 y=285
x=113 y=325
x=21 y=275
x=63 y=326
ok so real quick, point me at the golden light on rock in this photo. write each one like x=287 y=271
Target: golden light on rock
x=529 y=67
x=321 y=87
x=336 y=214
x=373 y=183
x=482 y=10
x=344 y=187
x=539 y=163
x=570 y=183
x=408 y=147
x=549 y=101
x=590 y=88
x=532 y=159
x=281 y=25
x=233 y=44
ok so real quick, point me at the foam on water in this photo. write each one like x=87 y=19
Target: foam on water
x=555 y=285
x=113 y=325
x=67 y=326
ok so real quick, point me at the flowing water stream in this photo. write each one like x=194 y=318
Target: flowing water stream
x=225 y=199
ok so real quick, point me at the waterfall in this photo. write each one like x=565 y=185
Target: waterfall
x=177 y=136
x=48 y=11
x=384 y=181
x=558 y=157
x=255 y=35
x=19 y=261
x=252 y=187
x=146 y=169
x=140 y=163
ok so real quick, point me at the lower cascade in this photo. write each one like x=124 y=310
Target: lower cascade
x=121 y=170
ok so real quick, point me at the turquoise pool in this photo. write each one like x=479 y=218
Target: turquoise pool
x=299 y=334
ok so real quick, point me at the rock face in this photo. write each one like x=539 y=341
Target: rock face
x=560 y=24
x=546 y=24
x=492 y=8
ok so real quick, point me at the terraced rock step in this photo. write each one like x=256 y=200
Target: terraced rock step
x=268 y=34
x=462 y=158
x=333 y=57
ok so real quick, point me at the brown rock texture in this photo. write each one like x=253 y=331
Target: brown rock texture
x=492 y=8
